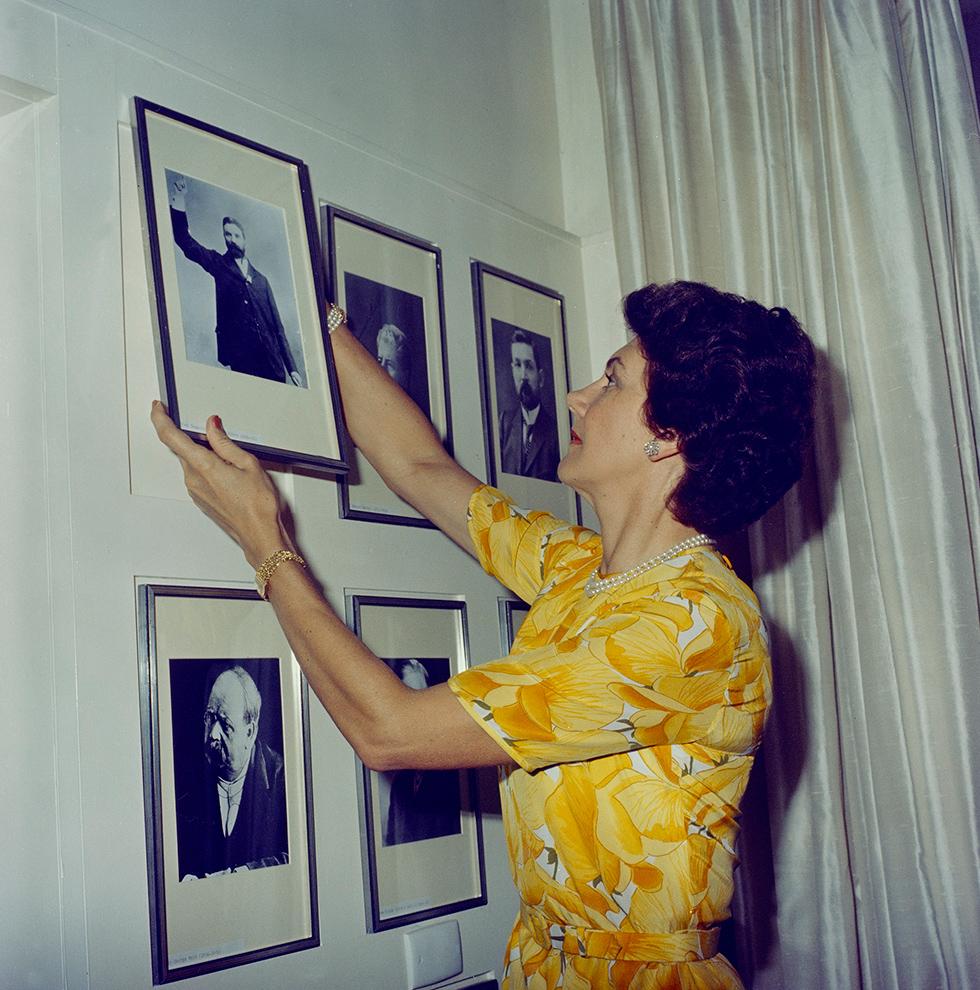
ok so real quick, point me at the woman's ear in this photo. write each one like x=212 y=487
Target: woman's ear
x=660 y=448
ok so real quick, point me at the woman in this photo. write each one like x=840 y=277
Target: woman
x=626 y=717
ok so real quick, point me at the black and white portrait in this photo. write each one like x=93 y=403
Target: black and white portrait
x=390 y=323
x=419 y=804
x=229 y=776
x=527 y=430
x=237 y=296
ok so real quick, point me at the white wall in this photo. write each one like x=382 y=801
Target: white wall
x=29 y=877
x=459 y=90
x=434 y=116
x=585 y=184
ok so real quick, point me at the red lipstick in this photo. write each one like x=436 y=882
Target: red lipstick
x=575 y=438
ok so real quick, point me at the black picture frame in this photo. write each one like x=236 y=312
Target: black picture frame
x=230 y=336
x=485 y=981
x=508 y=308
x=265 y=905
x=413 y=881
x=511 y=612
x=388 y=279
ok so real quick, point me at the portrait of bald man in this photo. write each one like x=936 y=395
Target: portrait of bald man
x=231 y=797
x=394 y=354
x=390 y=323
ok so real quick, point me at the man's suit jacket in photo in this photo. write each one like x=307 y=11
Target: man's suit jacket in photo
x=259 y=836
x=422 y=804
x=249 y=332
x=540 y=460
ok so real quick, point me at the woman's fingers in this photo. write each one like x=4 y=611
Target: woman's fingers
x=177 y=440
x=190 y=453
x=224 y=446
x=227 y=483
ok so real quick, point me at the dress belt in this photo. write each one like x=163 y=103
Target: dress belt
x=686 y=945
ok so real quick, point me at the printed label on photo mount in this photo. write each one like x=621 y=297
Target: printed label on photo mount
x=202 y=955
x=235 y=435
x=406 y=907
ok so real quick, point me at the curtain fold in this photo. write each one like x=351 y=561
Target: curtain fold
x=825 y=156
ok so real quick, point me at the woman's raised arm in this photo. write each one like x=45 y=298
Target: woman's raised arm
x=394 y=435
x=389 y=724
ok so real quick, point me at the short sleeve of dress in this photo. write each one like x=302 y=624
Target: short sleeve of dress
x=516 y=546
x=656 y=674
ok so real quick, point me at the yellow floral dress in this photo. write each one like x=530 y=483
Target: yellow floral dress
x=633 y=717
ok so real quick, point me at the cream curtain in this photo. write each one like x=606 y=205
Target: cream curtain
x=824 y=155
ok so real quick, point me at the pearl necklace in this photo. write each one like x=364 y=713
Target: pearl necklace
x=595 y=584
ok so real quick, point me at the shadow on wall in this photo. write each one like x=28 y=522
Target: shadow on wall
x=806 y=509
x=751 y=935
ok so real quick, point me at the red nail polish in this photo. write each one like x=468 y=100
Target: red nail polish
x=220 y=425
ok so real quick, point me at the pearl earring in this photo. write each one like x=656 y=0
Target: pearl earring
x=651 y=448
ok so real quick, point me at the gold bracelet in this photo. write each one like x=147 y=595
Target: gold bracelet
x=268 y=567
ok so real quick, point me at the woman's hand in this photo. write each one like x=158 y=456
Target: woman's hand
x=390 y=725
x=229 y=485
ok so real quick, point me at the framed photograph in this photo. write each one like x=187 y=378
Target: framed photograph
x=421 y=830
x=226 y=782
x=390 y=284
x=521 y=349
x=512 y=613
x=232 y=246
x=485 y=981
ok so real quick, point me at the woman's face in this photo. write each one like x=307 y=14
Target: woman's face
x=608 y=428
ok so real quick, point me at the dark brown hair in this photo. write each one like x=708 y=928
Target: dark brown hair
x=732 y=382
